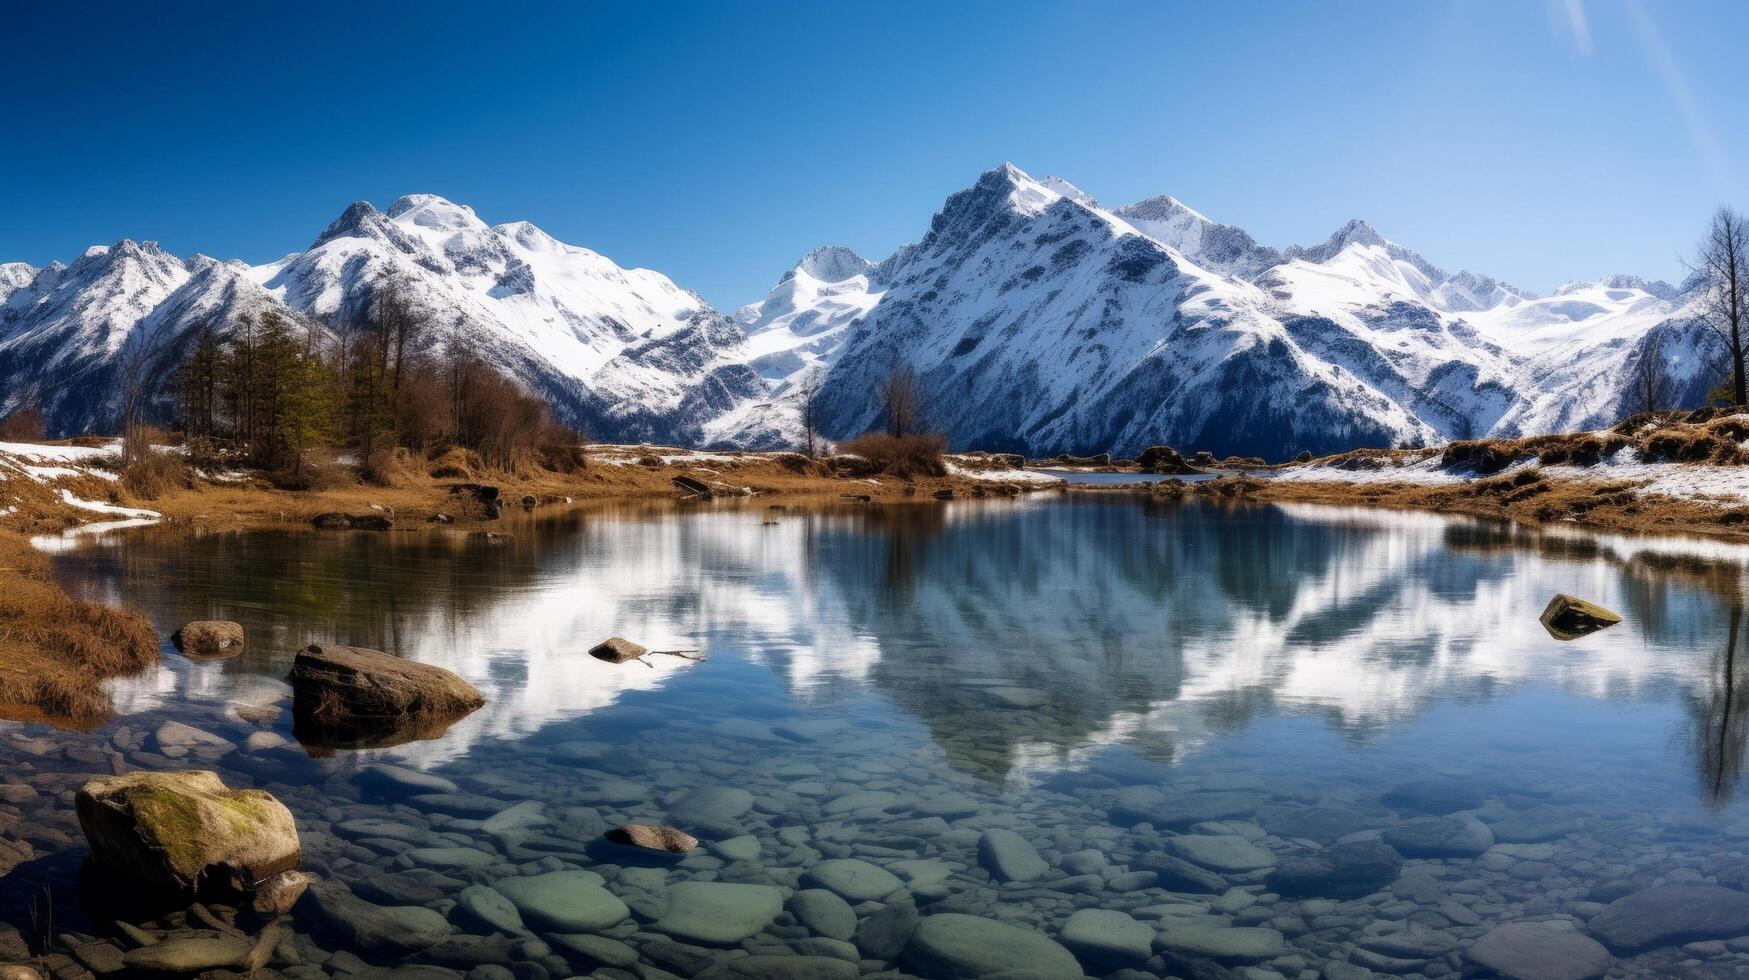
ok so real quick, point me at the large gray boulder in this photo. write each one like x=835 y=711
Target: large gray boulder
x=183 y=835
x=357 y=697
x=1540 y=951
x=1670 y=914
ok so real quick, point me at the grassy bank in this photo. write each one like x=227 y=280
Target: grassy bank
x=56 y=651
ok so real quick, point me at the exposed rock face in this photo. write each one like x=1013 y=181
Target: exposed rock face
x=210 y=638
x=367 y=697
x=180 y=835
x=1568 y=617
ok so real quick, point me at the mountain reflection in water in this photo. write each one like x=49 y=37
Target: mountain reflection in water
x=1025 y=636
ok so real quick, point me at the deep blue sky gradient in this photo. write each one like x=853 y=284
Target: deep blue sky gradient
x=718 y=141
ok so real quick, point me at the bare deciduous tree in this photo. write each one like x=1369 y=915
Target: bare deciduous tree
x=1651 y=375
x=808 y=406
x=1722 y=260
x=900 y=401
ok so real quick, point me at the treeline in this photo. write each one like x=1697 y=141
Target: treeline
x=287 y=397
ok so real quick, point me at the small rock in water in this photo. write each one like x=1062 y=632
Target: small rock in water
x=209 y=638
x=354 y=697
x=1569 y=617
x=1221 y=853
x=856 y=881
x=653 y=838
x=1344 y=871
x=823 y=912
x=564 y=901
x=1540 y=951
x=716 y=913
x=1008 y=856
x=276 y=896
x=1428 y=837
x=952 y=944
x=1107 y=938
x=1671 y=914
x=617 y=650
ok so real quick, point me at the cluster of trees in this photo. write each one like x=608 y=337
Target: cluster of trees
x=284 y=395
x=1721 y=263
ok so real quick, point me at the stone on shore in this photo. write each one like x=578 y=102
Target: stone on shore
x=209 y=638
x=179 y=835
x=955 y=946
x=1540 y=951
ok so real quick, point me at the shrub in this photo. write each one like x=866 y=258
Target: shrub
x=901 y=456
x=149 y=475
x=457 y=463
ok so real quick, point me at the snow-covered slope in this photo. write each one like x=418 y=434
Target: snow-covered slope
x=1036 y=319
x=626 y=353
x=1040 y=322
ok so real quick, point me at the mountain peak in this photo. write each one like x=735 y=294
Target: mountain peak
x=358 y=221
x=432 y=211
x=1068 y=190
x=832 y=263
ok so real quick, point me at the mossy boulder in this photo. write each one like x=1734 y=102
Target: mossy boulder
x=185 y=835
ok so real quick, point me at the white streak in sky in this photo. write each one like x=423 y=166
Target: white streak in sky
x=1581 y=29
x=1706 y=140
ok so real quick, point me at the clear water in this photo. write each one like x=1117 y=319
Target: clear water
x=889 y=683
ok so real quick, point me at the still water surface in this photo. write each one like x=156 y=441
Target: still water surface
x=1168 y=705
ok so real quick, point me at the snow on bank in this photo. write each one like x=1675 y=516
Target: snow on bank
x=1002 y=475
x=1686 y=481
x=26 y=465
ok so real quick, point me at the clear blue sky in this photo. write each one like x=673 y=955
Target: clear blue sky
x=1536 y=140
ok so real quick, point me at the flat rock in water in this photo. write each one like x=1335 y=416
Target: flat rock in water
x=716 y=913
x=1341 y=871
x=564 y=901
x=393 y=782
x=353 y=694
x=1107 y=938
x=781 y=968
x=1222 y=853
x=1434 y=796
x=1670 y=914
x=1540 y=951
x=374 y=928
x=1539 y=823
x=1009 y=857
x=1220 y=804
x=963 y=947
x=1179 y=875
x=597 y=949
x=189 y=954
x=854 y=880
x=823 y=913
x=711 y=806
x=487 y=905
x=1430 y=837
x=174 y=740
x=1240 y=943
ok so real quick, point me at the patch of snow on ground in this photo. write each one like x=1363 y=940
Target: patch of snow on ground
x=103 y=508
x=63 y=454
x=1004 y=476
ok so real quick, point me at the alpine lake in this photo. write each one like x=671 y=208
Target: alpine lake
x=1056 y=736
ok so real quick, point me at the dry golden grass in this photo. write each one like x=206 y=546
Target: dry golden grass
x=56 y=651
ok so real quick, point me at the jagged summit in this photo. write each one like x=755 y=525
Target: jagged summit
x=831 y=263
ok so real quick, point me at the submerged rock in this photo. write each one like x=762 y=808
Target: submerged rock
x=1568 y=617
x=369 y=928
x=1540 y=951
x=182 y=835
x=717 y=913
x=954 y=945
x=1342 y=871
x=1430 y=837
x=1107 y=938
x=209 y=638
x=1671 y=914
x=1009 y=857
x=354 y=697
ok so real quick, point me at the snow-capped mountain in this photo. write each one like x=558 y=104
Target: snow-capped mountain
x=1035 y=318
x=1038 y=321
x=625 y=353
